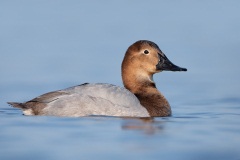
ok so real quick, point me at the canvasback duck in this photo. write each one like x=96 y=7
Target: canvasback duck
x=138 y=98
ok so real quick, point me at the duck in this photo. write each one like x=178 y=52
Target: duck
x=138 y=98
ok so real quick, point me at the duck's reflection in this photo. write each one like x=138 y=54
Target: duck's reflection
x=147 y=125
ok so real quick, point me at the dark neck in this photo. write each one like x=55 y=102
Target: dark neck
x=149 y=97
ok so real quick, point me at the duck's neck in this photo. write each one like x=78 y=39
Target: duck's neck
x=145 y=90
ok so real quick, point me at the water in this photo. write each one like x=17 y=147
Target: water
x=211 y=132
x=49 y=45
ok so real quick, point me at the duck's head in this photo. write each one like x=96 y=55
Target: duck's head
x=143 y=59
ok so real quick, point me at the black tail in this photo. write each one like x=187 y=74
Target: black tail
x=17 y=105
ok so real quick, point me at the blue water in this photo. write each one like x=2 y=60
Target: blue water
x=49 y=45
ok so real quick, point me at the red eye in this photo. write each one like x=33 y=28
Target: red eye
x=146 y=52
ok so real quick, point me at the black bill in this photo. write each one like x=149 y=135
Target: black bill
x=165 y=64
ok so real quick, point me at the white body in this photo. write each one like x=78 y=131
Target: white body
x=94 y=99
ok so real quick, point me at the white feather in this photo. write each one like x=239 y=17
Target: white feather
x=96 y=99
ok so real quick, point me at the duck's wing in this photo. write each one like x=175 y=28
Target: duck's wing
x=98 y=99
x=115 y=94
x=85 y=100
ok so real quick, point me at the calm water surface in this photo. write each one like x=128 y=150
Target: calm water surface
x=209 y=131
x=49 y=45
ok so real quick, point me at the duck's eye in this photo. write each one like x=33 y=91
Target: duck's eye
x=146 y=52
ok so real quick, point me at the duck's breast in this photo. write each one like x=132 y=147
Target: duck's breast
x=96 y=99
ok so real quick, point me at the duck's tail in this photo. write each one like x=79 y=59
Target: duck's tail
x=17 y=105
x=26 y=111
